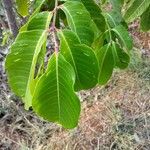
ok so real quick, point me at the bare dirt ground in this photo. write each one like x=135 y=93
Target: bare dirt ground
x=113 y=117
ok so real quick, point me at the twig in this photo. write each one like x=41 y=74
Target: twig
x=53 y=28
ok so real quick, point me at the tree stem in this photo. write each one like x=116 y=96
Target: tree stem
x=54 y=28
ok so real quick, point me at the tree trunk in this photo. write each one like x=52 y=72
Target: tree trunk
x=11 y=17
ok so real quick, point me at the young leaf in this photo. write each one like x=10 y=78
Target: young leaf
x=121 y=58
x=136 y=9
x=22 y=6
x=54 y=98
x=106 y=64
x=145 y=20
x=123 y=36
x=81 y=57
x=21 y=61
x=79 y=21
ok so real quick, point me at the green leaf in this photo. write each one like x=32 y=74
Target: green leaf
x=38 y=22
x=98 y=42
x=39 y=5
x=81 y=57
x=54 y=98
x=106 y=64
x=121 y=58
x=114 y=19
x=114 y=16
x=145 y=20
x=21 y=61
x=123 y=36
x=95 y=13
x=22 y=7
x=136 y=9
x=79 y=21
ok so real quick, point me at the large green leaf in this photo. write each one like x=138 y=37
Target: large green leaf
x=121 y=58
x=106 y=63
x=54 y=98
x=21 y=61
x=81 y=57
x=22 y=7
x=145 y=20
x=123 y=36
x=79 y=21
x=136 y=9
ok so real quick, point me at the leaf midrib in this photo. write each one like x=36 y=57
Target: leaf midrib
x=103 y=60
x=57 y=79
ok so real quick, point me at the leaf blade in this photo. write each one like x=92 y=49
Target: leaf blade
x=136 y=9
x=22 y=6
x=121 y=58
x=21 y=61
x=61 y=105
x=81 y=57
x=145 y=20
x=106 y=64
x=76 y=14
x=123 y=36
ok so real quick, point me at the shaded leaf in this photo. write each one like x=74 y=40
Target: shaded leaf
x=81 y=57
x=106 y=63
x=114 y=19
x=121 y=58
x=145 y=20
